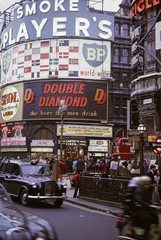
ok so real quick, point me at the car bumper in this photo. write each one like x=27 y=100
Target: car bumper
x=38 y=197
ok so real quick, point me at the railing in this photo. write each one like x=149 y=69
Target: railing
x=102 y=188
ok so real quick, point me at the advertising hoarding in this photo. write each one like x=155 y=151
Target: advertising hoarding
x=85 y=130
x=85 y=100
x=60 y=58
x=53 y=19
x=11 y=103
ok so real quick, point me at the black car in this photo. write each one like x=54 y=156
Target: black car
x=31 y=180
x=20 y=225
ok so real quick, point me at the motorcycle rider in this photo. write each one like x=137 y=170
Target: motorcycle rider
x=137 y=204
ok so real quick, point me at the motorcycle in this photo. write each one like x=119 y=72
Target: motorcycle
x=127 y=229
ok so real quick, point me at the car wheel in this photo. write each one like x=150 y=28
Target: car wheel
x=58 y=202
x=24 y=197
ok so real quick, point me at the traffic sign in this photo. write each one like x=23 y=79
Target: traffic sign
x=158 y=147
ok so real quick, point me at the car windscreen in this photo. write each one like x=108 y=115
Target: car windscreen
x=35 y=170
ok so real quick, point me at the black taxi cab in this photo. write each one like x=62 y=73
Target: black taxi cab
x=16 y=224
x=31 y=180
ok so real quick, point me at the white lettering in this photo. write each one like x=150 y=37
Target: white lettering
x=32 y=10
x=105 y=29
x=73 y=6
x=83 y=28
x=11 y=41
x=48 y=7
x=39 y=27
x=19 y=12
x=59 y=5
x=57 y=26
x=22 y=32
x=5 y=39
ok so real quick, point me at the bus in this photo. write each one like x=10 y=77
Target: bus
x=122 y=149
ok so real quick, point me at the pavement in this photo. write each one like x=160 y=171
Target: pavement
x=94 y=204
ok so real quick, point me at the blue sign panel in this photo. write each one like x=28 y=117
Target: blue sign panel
x=54 y=19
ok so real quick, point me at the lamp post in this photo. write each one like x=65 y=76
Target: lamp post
x=62 y=109
x=141 y=130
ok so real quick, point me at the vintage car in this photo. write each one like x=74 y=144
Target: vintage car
x=31 y=180
x=20 y=225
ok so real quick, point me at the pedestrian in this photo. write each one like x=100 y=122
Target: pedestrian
x=104 y=165
x=156 y=196
x=80 y=165
x=114 y=167
x=145 y=167
x=89 y=165
x=76 y=180
x=63 y=166
x=151 y=175
x=98 y=166
x=74 y=166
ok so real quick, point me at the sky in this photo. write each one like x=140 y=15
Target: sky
x=109 y=5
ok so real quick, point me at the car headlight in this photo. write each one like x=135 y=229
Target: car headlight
x=41 y=236
x=34 y=185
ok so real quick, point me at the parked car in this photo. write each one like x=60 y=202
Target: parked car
x=31 y=180
x=20 y=225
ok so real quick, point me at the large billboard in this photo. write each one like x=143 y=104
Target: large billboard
x=54 y=19
x=85 y=100
x=62 y=58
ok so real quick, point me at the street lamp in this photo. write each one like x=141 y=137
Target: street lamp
x=141 y=130
x=62 y=109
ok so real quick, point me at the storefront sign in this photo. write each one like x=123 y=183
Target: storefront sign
x=85 y=130
x=41 y=142
x=13 y=149
x=98 y=146
x=13 y=141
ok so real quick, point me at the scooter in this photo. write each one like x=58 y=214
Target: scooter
x=138 y=233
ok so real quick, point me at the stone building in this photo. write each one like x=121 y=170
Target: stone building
x=46 y=59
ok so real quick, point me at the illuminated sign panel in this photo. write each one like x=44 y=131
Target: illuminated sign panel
x=139 y=6
x=98 y=146
x=64 y=58
x=85 y=100
x=52 y=19
x=85 y=130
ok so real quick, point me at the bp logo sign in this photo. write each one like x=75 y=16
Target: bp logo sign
x=6 y=62
x=94 y=54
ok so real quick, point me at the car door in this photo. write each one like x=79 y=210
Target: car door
x=5 y=176
x=14 y=179
x=2 y=172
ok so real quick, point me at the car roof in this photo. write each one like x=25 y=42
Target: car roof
x=24 y=162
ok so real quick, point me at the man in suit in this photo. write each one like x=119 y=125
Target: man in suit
x=151 y=175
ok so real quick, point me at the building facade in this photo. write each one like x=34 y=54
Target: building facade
x=51 y=52
x=146 y=66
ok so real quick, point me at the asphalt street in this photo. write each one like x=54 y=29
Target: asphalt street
x=109 y=207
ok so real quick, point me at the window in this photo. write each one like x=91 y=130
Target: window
x=3 y=167
x=124 y=55
x=116 y=55
x=125 y=30
x=43 y=133
x=117 y=29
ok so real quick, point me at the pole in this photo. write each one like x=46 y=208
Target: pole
x=61 y=136
x=141 y=153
